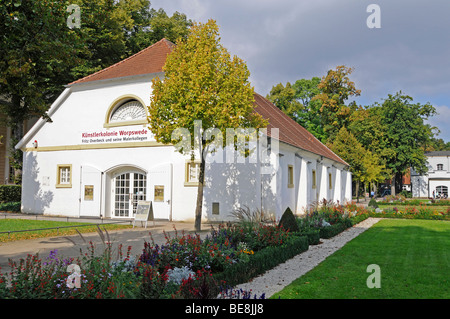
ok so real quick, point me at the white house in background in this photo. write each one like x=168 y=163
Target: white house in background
x=437 y=179
x=97 y=157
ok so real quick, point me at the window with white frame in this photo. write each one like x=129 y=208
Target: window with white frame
x=129 y=111
x=192 y=173
x=440 y=167
x=64 y=176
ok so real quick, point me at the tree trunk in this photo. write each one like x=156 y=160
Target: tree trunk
x=393 y=185
x=17 y=133
x=198 y=210
x=357 y=191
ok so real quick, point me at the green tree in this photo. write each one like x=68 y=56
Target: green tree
x=296 y=102
x=437 y=144
x=37 y=53
x=364 y=165
x=309 y=116
x=204 y=83
x=113 y=30
x=40 y=53
x=319 y=105
x=405 y=134
x=284 y=98
x=336 y=88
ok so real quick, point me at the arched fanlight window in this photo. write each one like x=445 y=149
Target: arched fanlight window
x=129 y=111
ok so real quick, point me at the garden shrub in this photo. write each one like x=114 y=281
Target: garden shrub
x=10 y=207
x=333 y=230
x=406 y=194
x=10 y=193
x=373 y=203
x=288 y=221
x=313 y=236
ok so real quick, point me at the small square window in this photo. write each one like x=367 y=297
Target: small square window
x=64 y=176
x=215 y=209
x=440 y=167
x=192 y=173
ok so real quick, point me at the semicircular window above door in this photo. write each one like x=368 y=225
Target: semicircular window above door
x=129 y=111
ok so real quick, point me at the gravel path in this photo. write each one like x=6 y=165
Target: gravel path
x=277 y=278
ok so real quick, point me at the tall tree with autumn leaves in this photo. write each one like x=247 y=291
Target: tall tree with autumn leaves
x=393 y=134
x=202 y=84
x=319 y=105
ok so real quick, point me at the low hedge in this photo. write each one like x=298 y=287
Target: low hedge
x=263 y=260
x=10 y=207
x=10 y=193
x=313 y=236
x=331 y=231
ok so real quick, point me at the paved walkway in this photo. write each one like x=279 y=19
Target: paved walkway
x=134 y=237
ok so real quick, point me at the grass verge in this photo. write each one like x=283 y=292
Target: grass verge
x=23 y=224
x=414 y=261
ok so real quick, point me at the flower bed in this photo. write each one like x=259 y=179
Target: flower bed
x=411 y=212
x=329 y=220
x=184 y=267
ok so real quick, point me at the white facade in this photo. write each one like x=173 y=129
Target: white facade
x=437 y=180
x=84 y=164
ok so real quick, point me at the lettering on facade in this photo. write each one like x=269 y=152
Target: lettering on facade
x=114 y=136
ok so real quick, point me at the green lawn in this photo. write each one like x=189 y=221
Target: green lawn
x=413 y=256
x=403 y=207
x=22 y=224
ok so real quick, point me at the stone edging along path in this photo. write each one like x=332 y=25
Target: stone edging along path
x=279 y=277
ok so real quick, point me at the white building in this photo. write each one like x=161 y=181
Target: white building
x=437 y=179
x=98 y=158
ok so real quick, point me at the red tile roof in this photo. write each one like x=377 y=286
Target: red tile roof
x=149 y=60
x=291 y=132
x=152 y=60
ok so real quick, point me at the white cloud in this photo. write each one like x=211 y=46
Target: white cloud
x=287 y=40
x=442 y=121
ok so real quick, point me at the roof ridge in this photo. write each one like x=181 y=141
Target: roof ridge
x=162 y=41
x=296 y=128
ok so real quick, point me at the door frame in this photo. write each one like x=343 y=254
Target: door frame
x=112 y=174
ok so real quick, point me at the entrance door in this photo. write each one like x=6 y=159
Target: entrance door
x=160 y=181
x=90 y=192
x=442 y=191
x=129 y=188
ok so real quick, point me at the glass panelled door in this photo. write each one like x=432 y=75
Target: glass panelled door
x=139 y=189
x=130 y=187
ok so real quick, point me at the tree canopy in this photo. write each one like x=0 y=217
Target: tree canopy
x=393 y=134
x=40 y=53
x=202 y=82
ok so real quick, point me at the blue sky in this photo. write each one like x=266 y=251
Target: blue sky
x=286 y=40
